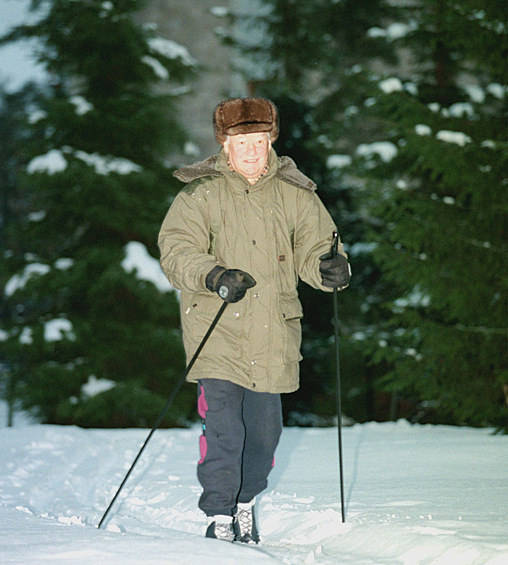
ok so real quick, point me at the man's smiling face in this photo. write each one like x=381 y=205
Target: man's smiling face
x=248 y=153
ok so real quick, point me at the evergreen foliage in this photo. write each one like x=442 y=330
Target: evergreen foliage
x=95 y=180
x=441 y=216
x=410 y=156
x=15 y=133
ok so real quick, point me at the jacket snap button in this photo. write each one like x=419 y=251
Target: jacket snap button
x=253 y=385
x=246 y=191
x=253 y=242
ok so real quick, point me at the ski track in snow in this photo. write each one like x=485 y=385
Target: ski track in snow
x=414 y=495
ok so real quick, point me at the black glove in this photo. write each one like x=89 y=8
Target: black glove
x=230 y=284
x=335 y=271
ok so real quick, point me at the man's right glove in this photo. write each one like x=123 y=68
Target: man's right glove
x=230 y=284
x=335 y=271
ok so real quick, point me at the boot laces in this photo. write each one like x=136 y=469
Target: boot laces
x=245 y=521
x=224 y=531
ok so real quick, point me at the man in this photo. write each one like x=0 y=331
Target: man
x=246 y=227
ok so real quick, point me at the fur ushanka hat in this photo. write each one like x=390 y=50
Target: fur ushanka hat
x=245 y=115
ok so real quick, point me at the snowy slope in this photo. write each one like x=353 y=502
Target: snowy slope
x=415 y=495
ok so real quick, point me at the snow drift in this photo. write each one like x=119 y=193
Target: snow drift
x=414 y=495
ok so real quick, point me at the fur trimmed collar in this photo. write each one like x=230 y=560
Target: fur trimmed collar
x=286 y=171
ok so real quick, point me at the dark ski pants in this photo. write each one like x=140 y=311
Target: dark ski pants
x=241 y=430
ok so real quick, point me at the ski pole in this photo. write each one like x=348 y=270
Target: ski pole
x=168 y=404
x=334 y=251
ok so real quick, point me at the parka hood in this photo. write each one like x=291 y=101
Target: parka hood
x=286 y=171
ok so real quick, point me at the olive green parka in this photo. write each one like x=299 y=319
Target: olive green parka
x=275 y=230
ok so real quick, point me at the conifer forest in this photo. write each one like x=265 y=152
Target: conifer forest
x=397 y=109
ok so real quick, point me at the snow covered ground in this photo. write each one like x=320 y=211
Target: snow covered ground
x=415 y=495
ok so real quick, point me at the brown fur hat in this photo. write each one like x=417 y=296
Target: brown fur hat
x=245 y=115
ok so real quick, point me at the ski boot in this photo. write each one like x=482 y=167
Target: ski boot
x=220 y=527
x=244 y=523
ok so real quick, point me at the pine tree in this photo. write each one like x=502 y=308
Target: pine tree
x=97 y=187
x=439 y=214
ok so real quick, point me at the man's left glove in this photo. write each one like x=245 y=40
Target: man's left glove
x=230 y=284
x=335 y=271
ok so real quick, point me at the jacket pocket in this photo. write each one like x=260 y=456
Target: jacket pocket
x=291 y=314
x=198 y=312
